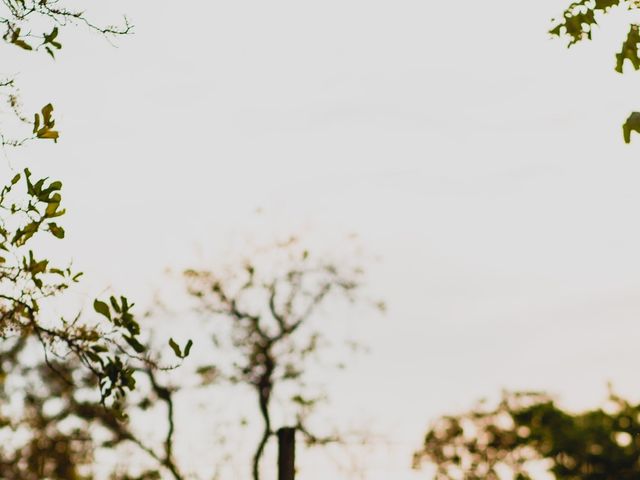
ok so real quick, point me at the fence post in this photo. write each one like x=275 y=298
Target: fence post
x=286 y=453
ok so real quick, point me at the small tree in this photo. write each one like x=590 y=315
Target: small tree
x=269 y=317
x=527 y=432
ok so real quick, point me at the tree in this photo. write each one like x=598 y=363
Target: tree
x=27 y=279
x=528 y=433
x=265 y=316
x=86 y=365
x=268 y=316
x=62 y=428
x=99 y=368
x=578 y=23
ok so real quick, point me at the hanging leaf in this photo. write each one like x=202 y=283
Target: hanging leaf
x=135 y=344
x=102 y=308
x=187 y=348
x=57 y=231
x=174 y=346
x=631 y=125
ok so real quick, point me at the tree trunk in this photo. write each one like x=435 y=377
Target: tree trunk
x=286 y=453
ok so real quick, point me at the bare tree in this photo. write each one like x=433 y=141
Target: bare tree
x=272 y=315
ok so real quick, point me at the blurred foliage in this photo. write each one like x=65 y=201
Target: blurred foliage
x=45 y=426
x=578 y=23
x=268 y=317
x=527 y=433
x=265 y=318
x=51 y=426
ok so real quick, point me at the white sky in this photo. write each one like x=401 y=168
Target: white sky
x=482 y=161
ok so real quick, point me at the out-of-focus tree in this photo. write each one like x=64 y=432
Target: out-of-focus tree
x=578 y=23
x=528 y=434
x=53 y=428
x=269 y=318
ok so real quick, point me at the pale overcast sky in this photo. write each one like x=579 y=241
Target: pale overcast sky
x=479 y=159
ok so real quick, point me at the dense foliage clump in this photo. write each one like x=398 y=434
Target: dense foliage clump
x=528 y=434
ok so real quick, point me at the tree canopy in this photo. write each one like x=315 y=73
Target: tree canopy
x=528 y=434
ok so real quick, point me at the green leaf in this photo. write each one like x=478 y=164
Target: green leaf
x=93 y=356
x=187 y=348
x=57 y=231
x=135 y=344
x=631 y=125
x=102 y=308
x=15 y=39
x=22 y=44
x=174 y=346
x=114 y=304
x=629 y=50
x=47 y=110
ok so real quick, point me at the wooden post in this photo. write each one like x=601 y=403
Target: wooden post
x=286 y=453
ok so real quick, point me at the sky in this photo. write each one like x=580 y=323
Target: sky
x=480 y=163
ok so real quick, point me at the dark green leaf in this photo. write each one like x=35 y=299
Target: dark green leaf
x=174 y=346
x=135 y=344
x=187 y=348
x=57 y=231
x=102 y=308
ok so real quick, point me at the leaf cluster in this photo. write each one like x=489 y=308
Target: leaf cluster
x=578 y=23
x=33 y=26
x=528 y=430
x=26 y=280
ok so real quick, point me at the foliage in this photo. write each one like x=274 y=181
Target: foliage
x=52 y=428
x=79 y=357
x=26 y=280
x=265 y=316
x=528 y=431
x=578 y=23
x=270 y=316
x=86 y=365
x=37 y=26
